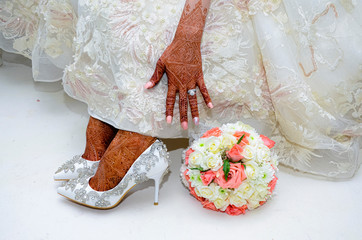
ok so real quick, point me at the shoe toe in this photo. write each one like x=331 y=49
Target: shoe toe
x=66 y=192
x=65 y=176
x=75 y=169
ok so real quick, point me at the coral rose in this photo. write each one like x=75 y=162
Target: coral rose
x=187 y=155
x=239 y=134
x=212 y=132
x=209 y=205
x=267 y=142
x=234 y=211
x=186 y=176
x=272 y=184
x=235 y=153
x=235 y=177
x=193 y=193
x=207 y=177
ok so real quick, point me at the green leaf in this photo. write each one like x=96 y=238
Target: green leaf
x=226 y=169
x=199 y=168
x=241 y=138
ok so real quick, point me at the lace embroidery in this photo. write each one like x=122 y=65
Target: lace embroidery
x=248 y=76
x=265 y=6
x=19 y=22
x=139 y=40
x=49 y=24
x=58 y=21
x=349 y=5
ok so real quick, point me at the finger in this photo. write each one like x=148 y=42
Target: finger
x=157 y=75
x=204 y=92
x=193 y=105
x=183 y=107
x=170 y=102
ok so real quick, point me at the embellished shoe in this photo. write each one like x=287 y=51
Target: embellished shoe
x=151 y=164
x=75 y=167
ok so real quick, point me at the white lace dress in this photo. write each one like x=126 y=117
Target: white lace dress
x=42 y=30
x=292 y=69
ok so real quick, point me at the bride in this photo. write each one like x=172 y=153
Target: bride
x=292 y=69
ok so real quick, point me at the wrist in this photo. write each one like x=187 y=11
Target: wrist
x=189 y=33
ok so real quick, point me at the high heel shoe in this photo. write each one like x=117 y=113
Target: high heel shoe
x=151 y=164
x=74 y=167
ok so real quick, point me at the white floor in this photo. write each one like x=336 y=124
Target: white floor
x=41 y=127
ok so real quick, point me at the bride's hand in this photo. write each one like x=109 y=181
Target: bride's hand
x=182 y=64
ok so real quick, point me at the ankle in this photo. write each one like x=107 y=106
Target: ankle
x=93 y=155
x=99 y=135
x=118 y=159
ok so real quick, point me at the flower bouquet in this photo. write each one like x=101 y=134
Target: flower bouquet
x=230 y=169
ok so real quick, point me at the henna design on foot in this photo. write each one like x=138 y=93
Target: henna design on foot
x=99 y=135
x=125 y=148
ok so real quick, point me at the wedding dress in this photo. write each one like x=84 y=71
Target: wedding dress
x=40 y=30
x=292 y=69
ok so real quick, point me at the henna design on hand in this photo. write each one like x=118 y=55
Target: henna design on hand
x=182 y=63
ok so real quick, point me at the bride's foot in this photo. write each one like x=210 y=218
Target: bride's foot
x=99 y=136
x=151 y=164
x=124 y=149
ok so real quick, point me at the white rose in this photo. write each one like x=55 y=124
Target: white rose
x=221 y=204
x=266 y=173
x=204 y=191
x=251 y=170
x=245 y=127
x=263 y=153
x=262 y=190
x=237 y=199
x=213 y=144
x=221 y=193
x=199 y=145
x=274 y=161
x=195 y=178
x=253 y=140
x=195 y=159
x=253 y=204
x=228 y=141
x=214 y=162
x=229 y=128
x=245 y=190
x=248 y=153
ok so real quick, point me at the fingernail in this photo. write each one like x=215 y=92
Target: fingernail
x=169 y=119
x=196 y=121
x=210 y=105
x=148 y=85
x=184 y=125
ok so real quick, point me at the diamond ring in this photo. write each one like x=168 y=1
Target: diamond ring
x=192 y=92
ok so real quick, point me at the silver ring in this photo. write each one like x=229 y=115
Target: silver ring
x=192 y=92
